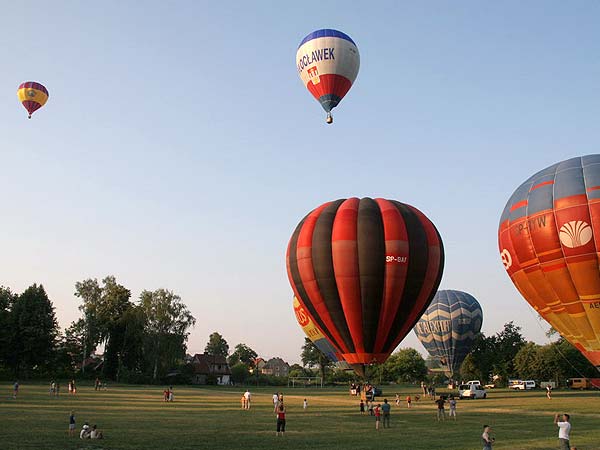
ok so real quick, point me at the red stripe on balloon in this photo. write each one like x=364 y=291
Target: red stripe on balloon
x=345 y=265
x=329 y=84
x=432 y=277
x=396 y=248
x=537 y=186
x=307 y=274
x=518 y=205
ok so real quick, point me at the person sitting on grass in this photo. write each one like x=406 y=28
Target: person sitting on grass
x=95 y=433
x=85 y=431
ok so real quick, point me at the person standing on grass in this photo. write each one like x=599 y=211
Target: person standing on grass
x=397 y=399
x=408 y=401
x=377 y=413
x=72 y=424
x=452 y=403
x=486 y=439
x=564 y=429
x=243 y=401
x=441 y=412
x=275 y=399
x=362 y=407
x=549 y=392
x=15 y=389
x=280 y=419
x=305 y=404
x=385 y=409
x=248 y=397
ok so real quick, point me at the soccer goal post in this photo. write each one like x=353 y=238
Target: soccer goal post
x=305 y=382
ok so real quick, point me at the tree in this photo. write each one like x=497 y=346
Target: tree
x=406 y=365
x=7 y=298
x=311 y=356
x=104 y=308
x=239 y=373
x=244 y=354
x=217 y=346
x=506 y=346
x=528 y=362
x=167 y=321
x=33 y=331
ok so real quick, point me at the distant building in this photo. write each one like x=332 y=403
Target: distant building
x=210 y=367
x=277 y=367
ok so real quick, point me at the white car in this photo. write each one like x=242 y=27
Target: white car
x=519 y=385
x=471 y=391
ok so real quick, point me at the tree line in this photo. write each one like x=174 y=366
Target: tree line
x=142 y=339
x=146 y=339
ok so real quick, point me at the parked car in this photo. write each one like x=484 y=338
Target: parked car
x=520 y=385
x=474 y=382
x=471 y=391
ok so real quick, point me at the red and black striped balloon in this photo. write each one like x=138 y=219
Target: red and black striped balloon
x=365 y=270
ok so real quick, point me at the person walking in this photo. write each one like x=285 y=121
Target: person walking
x=385 y=409
x=441 y=412
x=549 y=392
x=486 y=439
x=564 y=429
x=280 y=419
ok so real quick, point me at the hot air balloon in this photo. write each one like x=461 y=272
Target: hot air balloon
x=549 y=242
x=317 y=337
x=448 y=327
x=327 y=63
x=32 y=95
x=365 y=271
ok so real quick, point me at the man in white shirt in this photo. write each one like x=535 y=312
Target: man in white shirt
x=564 y=428
x=248 y=398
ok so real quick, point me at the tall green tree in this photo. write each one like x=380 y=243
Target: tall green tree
x=7 y=298
x=242 y=354
x=406 y=365
x=104 y=308
x=217 y=345
x=33 y=331
x=311 y=357
x=167 y=324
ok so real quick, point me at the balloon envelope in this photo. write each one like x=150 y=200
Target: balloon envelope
x=32 y=95
x=317 y=337
x=448 y=327
x=328 y=62
x=365 y=271
x=549 y=242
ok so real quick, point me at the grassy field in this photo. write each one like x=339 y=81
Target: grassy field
x=135 y=417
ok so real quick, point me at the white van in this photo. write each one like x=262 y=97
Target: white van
x=474 y=382
x=471 y=391
x=520 y=385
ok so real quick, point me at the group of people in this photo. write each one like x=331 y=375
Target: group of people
x=246 y=399
x=441 y=410
x=55 y=388
x=562 y=421
x=168 y=395
x=86 y=432
x=428 y=390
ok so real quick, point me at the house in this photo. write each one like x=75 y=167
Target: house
x=210 y=368
x=277 y=367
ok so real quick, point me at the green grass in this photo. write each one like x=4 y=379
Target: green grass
x=135 y=417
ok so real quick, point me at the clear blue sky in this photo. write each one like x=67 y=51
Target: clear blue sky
x=179 y=148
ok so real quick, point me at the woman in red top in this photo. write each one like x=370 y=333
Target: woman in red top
x=377 y=412
x=280 y=419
